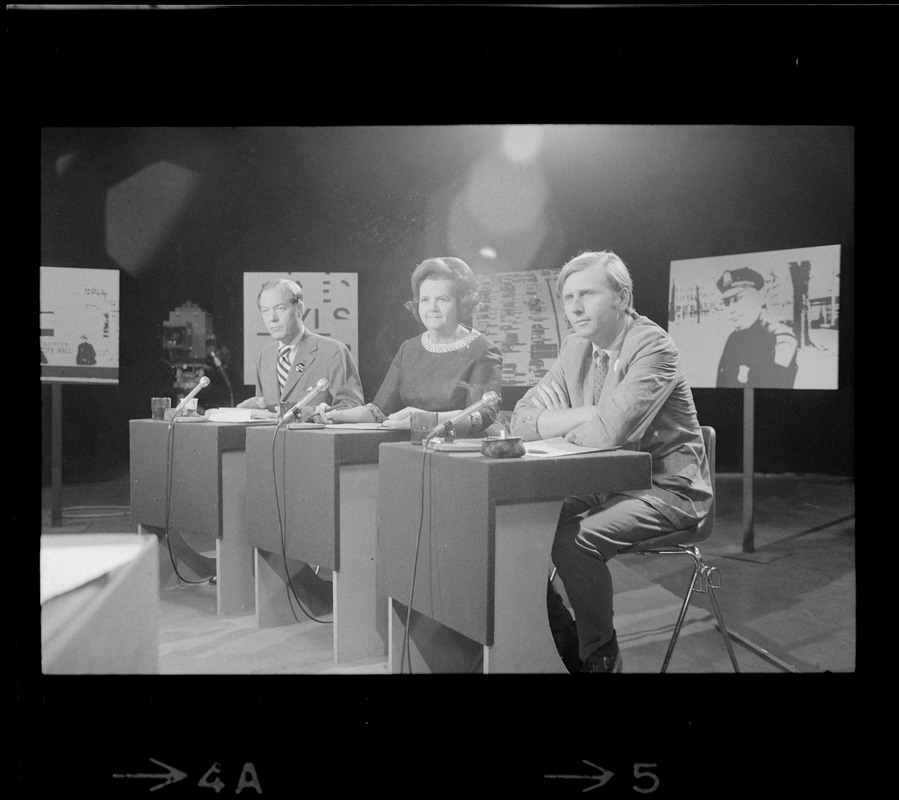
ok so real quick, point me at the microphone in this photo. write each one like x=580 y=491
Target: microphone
x=489 y=399
x=204 y=382
x=310 y=393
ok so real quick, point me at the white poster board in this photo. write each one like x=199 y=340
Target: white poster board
x=79 y=325
x=728 y=329
x=331 y=300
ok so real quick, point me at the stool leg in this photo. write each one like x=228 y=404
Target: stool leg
x=724 y=633
x=680 y=618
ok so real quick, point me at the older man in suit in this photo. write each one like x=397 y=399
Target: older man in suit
x=299 y=358
x=617 y=382
x=285 y=370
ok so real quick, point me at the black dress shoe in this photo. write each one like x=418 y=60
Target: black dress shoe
x=605 y=659
x=567 y=644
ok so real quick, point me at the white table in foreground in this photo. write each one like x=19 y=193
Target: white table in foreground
x=101 y=612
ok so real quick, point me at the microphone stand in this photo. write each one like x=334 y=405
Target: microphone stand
x=448 y=435
x=449 y=432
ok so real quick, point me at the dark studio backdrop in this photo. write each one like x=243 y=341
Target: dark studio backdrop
x=183 y=149
x=187 y=210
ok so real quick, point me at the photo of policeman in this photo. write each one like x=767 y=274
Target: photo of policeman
x=760 y=351
x=766 y=320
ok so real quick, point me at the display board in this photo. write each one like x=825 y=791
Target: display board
x=761 y=320
x=79 y=325
x=331 y=300
x=522 y=314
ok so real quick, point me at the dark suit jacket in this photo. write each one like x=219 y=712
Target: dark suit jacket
x=315 y=357
x=646 y=405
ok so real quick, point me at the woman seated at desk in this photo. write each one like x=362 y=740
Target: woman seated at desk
x=446 y=369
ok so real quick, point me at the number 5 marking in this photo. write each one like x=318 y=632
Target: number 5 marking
x=640 y=772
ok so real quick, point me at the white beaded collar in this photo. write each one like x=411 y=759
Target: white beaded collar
x=428 y=345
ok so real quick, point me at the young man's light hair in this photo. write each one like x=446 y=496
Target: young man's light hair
x=616 y=273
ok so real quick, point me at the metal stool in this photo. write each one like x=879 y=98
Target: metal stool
x=705 y=579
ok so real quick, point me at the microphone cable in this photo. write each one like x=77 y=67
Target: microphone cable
x=170 y=449
x=406 y=651
x=289 y=587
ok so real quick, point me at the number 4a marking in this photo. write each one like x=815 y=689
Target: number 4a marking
x=216 y=784
x=248 y=779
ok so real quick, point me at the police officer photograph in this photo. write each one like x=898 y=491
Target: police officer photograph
x=760 y=351
x=763 y=320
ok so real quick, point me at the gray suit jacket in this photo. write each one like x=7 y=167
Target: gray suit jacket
x=315 y=357
x=645 y=404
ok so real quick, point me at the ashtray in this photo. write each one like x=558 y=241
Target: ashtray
x=502 y=446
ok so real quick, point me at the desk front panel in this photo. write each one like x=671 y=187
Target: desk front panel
x=453 y=497
x=306 y=469
x=196 y=483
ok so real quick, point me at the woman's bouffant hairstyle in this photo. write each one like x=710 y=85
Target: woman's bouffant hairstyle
x=465 y=285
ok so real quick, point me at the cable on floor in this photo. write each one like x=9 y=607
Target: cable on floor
x=96 y=511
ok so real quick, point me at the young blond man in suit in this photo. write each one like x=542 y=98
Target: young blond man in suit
x=617 y=382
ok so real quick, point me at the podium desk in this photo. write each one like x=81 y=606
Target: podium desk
x=207 y=507
x=99 y=604
x=484 y=553
x=327 y=494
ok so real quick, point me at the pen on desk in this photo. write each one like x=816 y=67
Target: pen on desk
x=542 y=452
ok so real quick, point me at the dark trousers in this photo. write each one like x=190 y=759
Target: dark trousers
x=591 y=530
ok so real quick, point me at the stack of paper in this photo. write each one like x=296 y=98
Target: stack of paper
x=557 y=446
x=357 y=426
x=255 y=415
x=457 y=446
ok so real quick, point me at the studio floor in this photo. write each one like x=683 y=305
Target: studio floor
x=790 y=603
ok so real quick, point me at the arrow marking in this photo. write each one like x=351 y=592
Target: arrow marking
x=601 y=779
x=172 y=776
